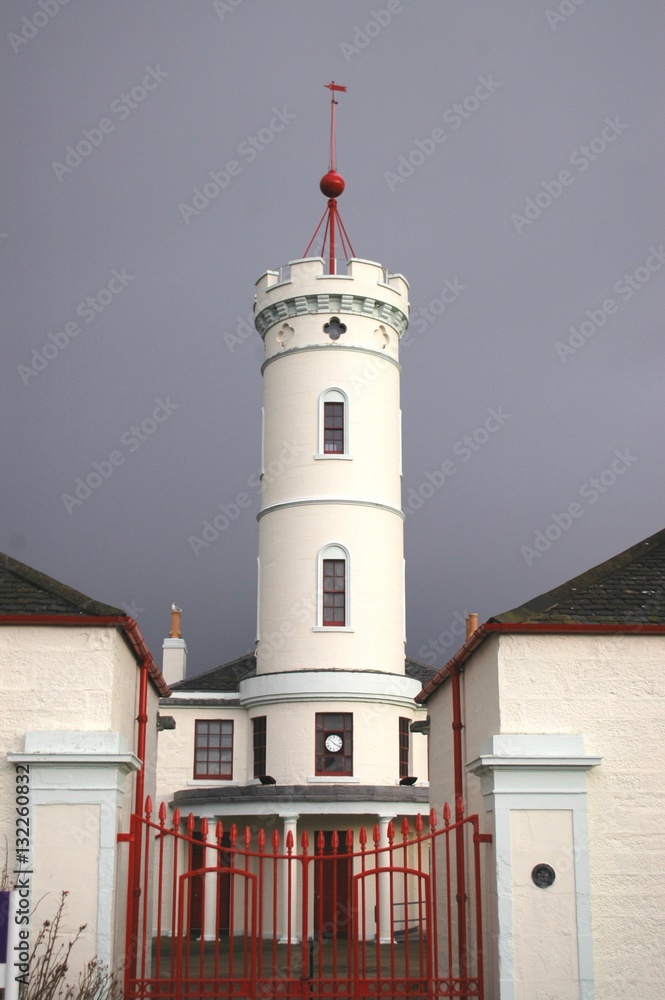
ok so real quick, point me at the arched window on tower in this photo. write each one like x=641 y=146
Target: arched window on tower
x=333 y=424
x=333 y=588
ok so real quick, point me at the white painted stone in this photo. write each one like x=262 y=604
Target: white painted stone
x=608 y=689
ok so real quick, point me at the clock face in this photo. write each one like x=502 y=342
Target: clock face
x=334 y=743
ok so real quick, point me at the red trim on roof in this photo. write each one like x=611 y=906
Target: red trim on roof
x=127 y=626
x=537 y=628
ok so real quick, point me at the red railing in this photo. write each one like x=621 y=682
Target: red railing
x=212 y=914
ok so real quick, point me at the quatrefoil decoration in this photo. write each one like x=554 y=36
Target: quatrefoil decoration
x=334 y=328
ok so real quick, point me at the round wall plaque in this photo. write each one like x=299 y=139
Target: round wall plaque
x=543 y=876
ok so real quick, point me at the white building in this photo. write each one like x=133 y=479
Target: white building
x=79 y=693
x=563 y=749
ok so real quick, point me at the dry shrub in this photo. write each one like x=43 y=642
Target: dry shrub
x=48 y=967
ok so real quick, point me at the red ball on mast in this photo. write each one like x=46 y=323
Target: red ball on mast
x=332 y=184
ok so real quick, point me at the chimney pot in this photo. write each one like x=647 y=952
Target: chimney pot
x=471 y=624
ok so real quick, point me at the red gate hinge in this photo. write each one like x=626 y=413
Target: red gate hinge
x=482 y=838
x=125 y=838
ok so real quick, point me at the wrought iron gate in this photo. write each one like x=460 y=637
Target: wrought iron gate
x=221 y=915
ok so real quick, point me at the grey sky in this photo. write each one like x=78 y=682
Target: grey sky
x=560 y=104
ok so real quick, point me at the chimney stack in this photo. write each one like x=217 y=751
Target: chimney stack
x=174 y=651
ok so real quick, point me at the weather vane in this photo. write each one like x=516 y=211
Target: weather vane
x=332 y=185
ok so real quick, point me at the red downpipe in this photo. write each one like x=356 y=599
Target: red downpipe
x=141 y=737
x=139 y=803
x=459 y=815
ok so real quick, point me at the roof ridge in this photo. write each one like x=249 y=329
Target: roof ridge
x=42 y=581
x=583 y=581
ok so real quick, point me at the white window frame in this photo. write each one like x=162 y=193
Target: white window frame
x=333 y=394
x=333 y=550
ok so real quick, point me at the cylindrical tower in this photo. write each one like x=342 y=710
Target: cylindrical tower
x=331 y=554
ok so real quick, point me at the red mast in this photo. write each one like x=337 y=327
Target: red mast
x=332 y=185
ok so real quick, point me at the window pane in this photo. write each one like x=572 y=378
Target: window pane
x=213 y=748
x=334 y=591
x=333 y=428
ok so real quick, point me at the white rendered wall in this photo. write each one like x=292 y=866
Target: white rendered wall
x=69 y=835
x=311 y=500
x=293 y=384
x=68 y=680
x=176 y=749
x=290 y=743
x=545 y=943
x=610 y=690
x=290 y=542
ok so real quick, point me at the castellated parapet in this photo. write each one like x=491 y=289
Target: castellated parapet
x=303 y=289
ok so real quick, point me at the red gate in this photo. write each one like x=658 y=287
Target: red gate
x=209 y=916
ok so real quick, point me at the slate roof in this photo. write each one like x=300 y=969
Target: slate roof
x=26 y=591
x=627 y=589
x=420 y=671
x=305 y=793
x=227 y=677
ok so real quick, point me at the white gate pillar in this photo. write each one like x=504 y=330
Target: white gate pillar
x=210 y=929
x=535 y=789
x=384 y=884
x=290 y=826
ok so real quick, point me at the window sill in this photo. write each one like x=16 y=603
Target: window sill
x=321 y=779
x=212 y=781
x=342 y=458
x=332 y=628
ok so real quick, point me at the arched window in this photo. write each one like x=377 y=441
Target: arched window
x=333 y=424
x=333 y=588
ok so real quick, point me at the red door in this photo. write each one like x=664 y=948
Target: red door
x=195 y=892
x=332 y=888
x=223 y=888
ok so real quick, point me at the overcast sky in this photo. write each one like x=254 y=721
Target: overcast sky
x=507 y=158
